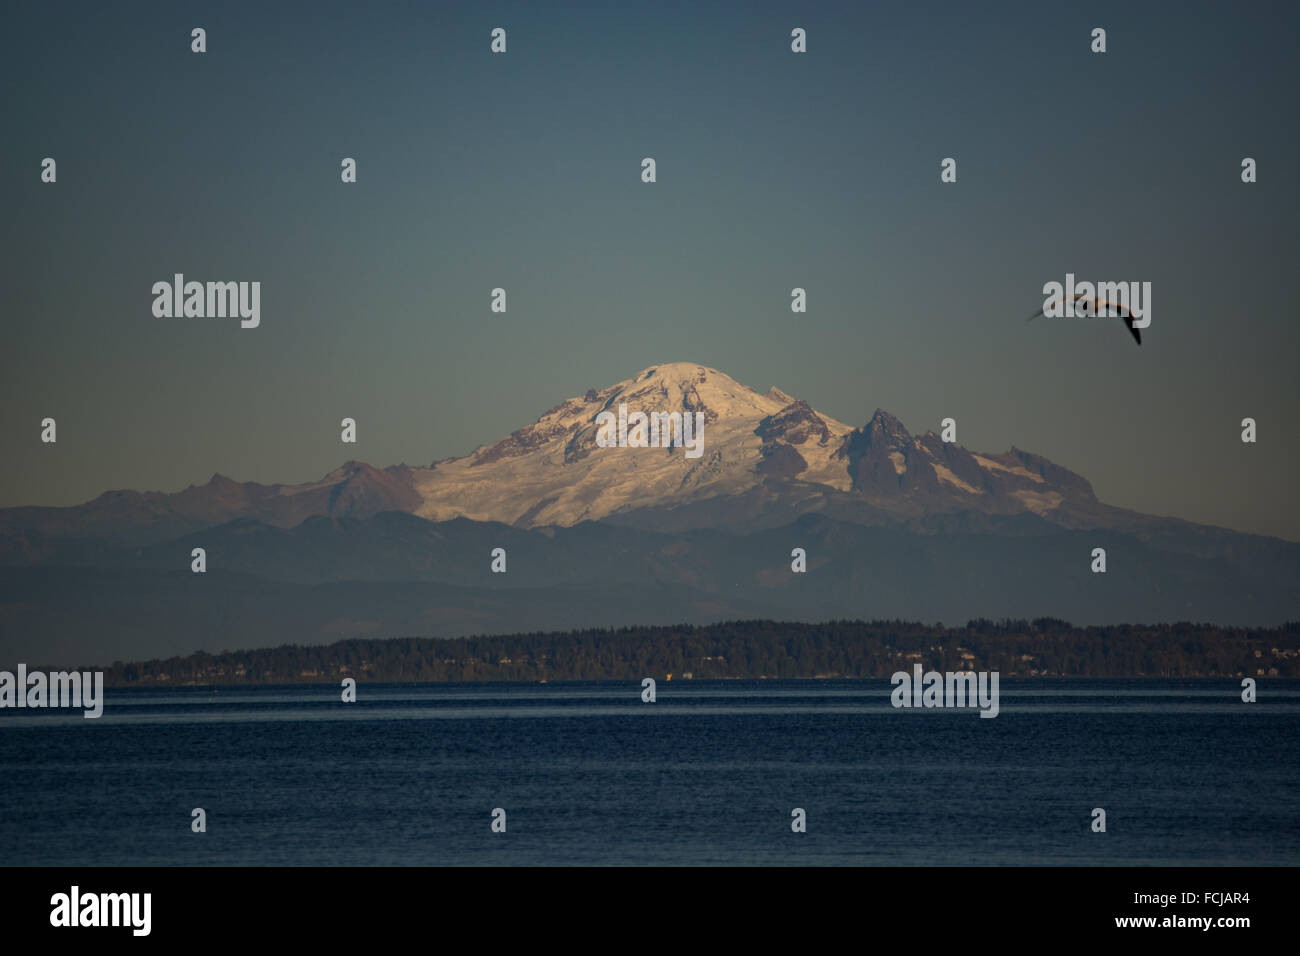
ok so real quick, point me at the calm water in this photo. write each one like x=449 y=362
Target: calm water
x=588 y=774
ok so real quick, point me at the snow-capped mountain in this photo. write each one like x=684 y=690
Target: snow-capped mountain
x=766 y=458
x=554 y=473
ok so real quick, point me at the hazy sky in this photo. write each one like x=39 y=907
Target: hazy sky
x=775 y=170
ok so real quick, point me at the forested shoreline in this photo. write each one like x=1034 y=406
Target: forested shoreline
x=1044 y=647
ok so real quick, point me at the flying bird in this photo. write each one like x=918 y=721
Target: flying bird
x=1096 y=305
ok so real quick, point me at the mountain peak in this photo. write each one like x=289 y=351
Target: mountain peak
x=884 y=424
x=679 y=372
x=349 y=468
x=794 y=424
x=688 y=387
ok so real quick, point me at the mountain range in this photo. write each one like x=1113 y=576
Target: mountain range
x=893 y=525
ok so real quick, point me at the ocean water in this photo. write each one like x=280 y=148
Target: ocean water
x=708 y=774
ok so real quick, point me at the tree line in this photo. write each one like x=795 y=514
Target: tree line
x=1044 y=647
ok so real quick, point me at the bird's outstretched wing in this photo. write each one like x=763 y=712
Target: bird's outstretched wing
x=1043 y=310
x=1098 y=304
x=1125 y=314
x=1137 y=333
